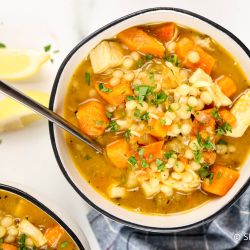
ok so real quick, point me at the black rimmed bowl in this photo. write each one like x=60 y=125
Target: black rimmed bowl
x=51 y=210
x=158 y=223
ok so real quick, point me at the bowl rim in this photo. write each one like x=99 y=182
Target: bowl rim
x=51 y=126
x=44 y=208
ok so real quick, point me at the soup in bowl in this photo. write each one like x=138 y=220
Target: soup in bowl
x=26 y=223
x=170 y=105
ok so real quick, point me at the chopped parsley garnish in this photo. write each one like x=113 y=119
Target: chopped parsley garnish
x=160 y=164
x=143 y=91
x=169 y=154
x=127 y=134
x=47 y=48
x=149 y=57
x=208 y=144
x=102 y=87
x=199 y=140
x=87 y=78
x=137 y=113
x=21 y=242
x=160 y=97
x=144 y=163
x=173 y=59
x=113 y=126
x=197 y=155
x=108 y=114
x=2 y=45
x=130 y=98
x=163 y=122
x=222 y=142
x=204 y=171
x=224 y=128
x=190 y=108
x=216 y=114
x=170 y=109
x=64 y=244
x=132 y=161
x=145 y=116
x=152 y=77
x=139 y=63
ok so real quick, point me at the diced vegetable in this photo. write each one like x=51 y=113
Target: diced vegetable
x=227 y=85
x=137 y=39
x=25 y=227
x=151 y=187
x=53 y=235
x=106 y=55
x=92 y=118
x=158 y=129
x=223 y=179
x=206 y=62
x=116 y=192
x=227 y=117
x=165 y=32
x=209 y=157
x=114 y=95
x=118 y=153
x=153 y=151
x=241 y=111
x=5 y=246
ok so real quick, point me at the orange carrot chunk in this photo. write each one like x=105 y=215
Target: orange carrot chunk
x=227 y=85
x=157 y=129
x=153 y=151
x=118 y=153
x=223 y=179
x=227 y=116
x=137 y=39
x=92 y=118
x=53 y=235
x=205 y=62
x=114 y=95
x=5 y=246
x=165 y=32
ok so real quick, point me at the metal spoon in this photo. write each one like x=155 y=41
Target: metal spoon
x=50 y=115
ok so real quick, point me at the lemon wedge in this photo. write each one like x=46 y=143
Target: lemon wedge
x=14 y=115
x=16 y=64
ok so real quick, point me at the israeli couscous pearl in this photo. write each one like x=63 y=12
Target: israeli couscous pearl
x=175 y=106
x=195 y=165
x=183 y=112
x=193 y=144
x=184 y=89
x=183 y=100
x=143 y=106
x=200 y=105
x=131 y=105
x=206 y=97
x=168 y=191
x=129 y=76
x=221 y=149
x=114 y=81
x=135 y=55
x=179 y=167
x=92 y=93
x=193 y=57
x=194 y=91
x=170 y=115
x=189 y=154
x=164 y=175
x=167 y=121
x=29 y=242
x=192 y=101
x=175 y=129
x=9 y=239
x=12 y=231
x=7 y=221
x=128 y=63
x=118 y=73
x=187 y=177
x=2 y=231
x=186 y=128
x=171 y=163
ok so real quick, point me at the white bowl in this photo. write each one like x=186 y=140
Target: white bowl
x=173 y=222
x=51 y=210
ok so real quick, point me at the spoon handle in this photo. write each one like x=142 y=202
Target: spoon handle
x=48 y=114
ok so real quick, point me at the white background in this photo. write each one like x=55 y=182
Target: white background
x=26 y=155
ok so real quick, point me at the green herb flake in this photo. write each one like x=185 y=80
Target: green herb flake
x=64 y=244
x=170 y=109
x=137 y=113
x=216 y=114
x=51 y=60
x=190 y=108
x=149 y=57
x=132 y=160
x=173 y=59
x=87 y=78
x=87 y=157
x=208 y=145
x=160 y=164
x=197 y=155
x=160 y=97
x=222 y=142
x=47 y=48
x=144 y=163
x=113 y=126
x=102 y=88
x=204 y=171
x=127 y=134
x=108 y=114
x=145 y=116
x=139 y=63
x=21 y=241
x=143 y=91
x=199 y=140
x=169 y=154
x=2 y=45
x=219 y=175
x=224 y=129
x=211 y=178
x=130 y=98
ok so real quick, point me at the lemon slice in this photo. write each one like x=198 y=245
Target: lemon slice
x=14 y=115
x=17 y=64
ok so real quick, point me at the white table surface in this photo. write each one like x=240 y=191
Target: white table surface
x=26 y=155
